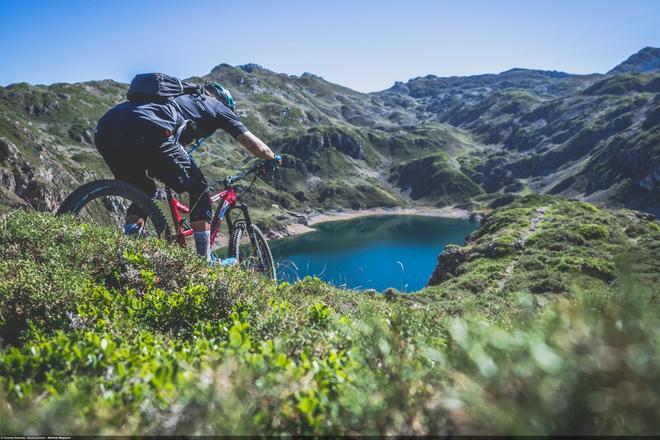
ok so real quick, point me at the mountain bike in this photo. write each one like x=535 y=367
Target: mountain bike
x=105 y=202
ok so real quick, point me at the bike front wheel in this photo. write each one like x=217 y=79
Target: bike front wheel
x=251 y=249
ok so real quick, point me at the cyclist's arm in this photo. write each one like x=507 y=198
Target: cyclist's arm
x=255 y=146
x=231 y=123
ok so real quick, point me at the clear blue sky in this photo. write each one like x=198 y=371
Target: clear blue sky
x=365 y=45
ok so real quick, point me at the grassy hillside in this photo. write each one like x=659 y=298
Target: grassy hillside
x=104 y=334
x=339 y=145
x=591 y=137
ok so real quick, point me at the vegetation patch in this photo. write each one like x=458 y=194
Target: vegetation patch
x=106 y=334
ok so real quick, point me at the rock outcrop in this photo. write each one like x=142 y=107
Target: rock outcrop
x=647 y=59
x=307 y=145
x=449 y=262
x=24 y=184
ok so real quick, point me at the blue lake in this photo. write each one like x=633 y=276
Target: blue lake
x=374 y=252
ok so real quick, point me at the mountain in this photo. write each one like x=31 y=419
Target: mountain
x=46 y=140
x=478 y=138
x=646 y=60
x=593 y=137
x=339 y=144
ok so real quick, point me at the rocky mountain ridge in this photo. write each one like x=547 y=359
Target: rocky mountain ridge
x=473 y=139
x=593 y=137
x=646 y=60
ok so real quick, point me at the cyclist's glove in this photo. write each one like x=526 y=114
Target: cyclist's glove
x=269 y=165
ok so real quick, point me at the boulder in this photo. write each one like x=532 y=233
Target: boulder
x=448 y=263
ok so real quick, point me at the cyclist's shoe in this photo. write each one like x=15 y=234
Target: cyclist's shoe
x=215 y=261
x=231 y=261
x=133 y=229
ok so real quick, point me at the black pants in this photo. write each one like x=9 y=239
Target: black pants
x=133 y=147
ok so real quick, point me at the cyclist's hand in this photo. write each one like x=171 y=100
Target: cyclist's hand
x=266 y=167
x=270 y=165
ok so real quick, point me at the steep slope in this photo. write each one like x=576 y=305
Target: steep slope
x=549 y=332
x=594 y=137
x=645 y=60
x=547 y=245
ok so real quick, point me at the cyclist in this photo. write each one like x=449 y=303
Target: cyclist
x=137 y=141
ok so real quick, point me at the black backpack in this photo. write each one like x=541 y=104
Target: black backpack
x=158 y=87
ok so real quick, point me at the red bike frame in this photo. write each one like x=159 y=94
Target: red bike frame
x=227 y=200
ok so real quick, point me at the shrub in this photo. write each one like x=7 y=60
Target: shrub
x=593 y=232
x=119 y=336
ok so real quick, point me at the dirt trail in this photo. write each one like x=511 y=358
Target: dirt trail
x=536 y=222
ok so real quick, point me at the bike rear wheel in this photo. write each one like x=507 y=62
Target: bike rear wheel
x=253 y=256
x=105 y=202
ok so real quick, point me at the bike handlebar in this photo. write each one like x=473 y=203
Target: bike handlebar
x=261 y=166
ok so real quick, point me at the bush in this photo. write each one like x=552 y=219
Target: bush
x=104 y=334
x=593 y=232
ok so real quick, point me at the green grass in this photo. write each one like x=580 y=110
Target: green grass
x=547 y=327
x=433 y=179
x=571 y=243
x=103 y=334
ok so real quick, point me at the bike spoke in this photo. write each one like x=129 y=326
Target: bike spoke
x=252 y=257
x=108 y=211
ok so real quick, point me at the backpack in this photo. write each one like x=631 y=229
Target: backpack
x=158 y=87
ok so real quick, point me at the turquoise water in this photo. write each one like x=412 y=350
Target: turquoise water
x=374 y=252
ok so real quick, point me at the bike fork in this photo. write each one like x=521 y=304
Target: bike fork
x=248 y=222
x=253 y=238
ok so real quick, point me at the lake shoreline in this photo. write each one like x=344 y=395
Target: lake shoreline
x=305 y=222
x=385 y=248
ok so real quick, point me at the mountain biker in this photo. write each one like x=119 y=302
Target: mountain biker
x=137 y=140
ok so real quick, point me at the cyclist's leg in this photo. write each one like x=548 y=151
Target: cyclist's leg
x=135 y=216
x=175 y=167
x=201 y=214
x=127 y=144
